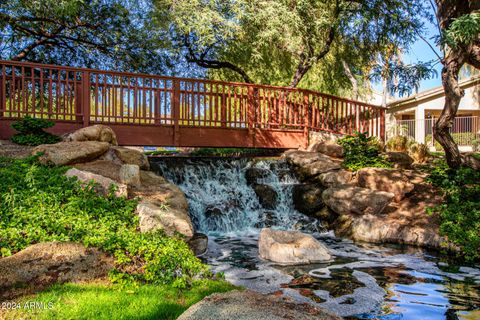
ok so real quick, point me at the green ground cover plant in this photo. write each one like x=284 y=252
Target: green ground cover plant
x=39 y=204
x=460 y=212
x=361 y=151
x=106 y=302
x=31 y=133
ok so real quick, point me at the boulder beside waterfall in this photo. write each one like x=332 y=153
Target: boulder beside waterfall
x=291 y=247
x=347 y=199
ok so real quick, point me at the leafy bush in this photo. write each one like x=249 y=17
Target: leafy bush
x=31 y=132
x=460 y=213
x=39 y=204
x=398 y=143
x=361 y=151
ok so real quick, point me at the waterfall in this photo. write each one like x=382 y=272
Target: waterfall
x=222 y=201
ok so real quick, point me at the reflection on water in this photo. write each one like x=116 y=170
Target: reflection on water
x=363 y=282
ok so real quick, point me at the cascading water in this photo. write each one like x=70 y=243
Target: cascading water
x=222 y=201
x=363 y=282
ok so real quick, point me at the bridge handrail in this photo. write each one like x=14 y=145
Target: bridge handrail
x=86 y=95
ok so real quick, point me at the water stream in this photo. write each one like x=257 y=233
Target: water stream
x=363 y=282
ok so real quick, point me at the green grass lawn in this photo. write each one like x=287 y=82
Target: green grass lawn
x=101 y=301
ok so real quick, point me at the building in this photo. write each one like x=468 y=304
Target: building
x=415 y=116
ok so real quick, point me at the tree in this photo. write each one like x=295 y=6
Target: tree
x=87 y=33
x=287 y=42
x=459 y=23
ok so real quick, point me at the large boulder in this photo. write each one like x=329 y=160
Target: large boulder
x=347 y=199
x=334 y=178
x=328 y=148
x=130 y=174
x=400 y=160
x=249 y=305
x=64 y=153
x=43 y=264
x=124 y=155
x=102 y=184
x=307 y=198
x=98 y=132
x=388 y=180
x=291 y=247
x=266 y=195
x=312 y=170
x=170 y=220
x=303 y=158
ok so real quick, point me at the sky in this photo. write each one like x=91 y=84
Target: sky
x=420 y=51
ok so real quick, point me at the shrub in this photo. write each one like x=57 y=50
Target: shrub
x=460 y=212
x=30 y=132
x=398 y=143
x=361 y=151
x=419 y=152
x=460 y=138
x=39 y=204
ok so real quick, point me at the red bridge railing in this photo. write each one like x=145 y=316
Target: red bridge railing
x=85 y=96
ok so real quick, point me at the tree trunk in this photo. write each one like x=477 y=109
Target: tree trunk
x=453 y=94
x=352 y=79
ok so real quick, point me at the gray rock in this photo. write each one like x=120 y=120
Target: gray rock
x=347 y=199
x=307 y=198
x=103 y=184
x=250 y=305
x=266 y=195
x=64 y=153
x=198 y=243
x=335 y=178
x=169 y=219
x=291 y=247
x=382 y=179
x=130 y=174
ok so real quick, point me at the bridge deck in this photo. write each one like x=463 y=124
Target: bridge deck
x=167 y=111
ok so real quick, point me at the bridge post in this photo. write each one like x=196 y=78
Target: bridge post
x=308 y=116
x=3 y=92
x=85 y=98
x=382 y=125
x=176 y=112
x=251 y=110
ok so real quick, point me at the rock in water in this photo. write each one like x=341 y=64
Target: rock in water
x=347 y=199
x=130 y=174
x=198 y=243
x=64 y=153
x=266 y=195
x=291 y=247
x=98 y=132
x=307 y=198
x=388 y=180
x=253 y=174
x=250 y=305
x=103 y=183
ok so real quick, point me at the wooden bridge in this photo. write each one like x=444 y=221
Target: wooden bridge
x=167 y=111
